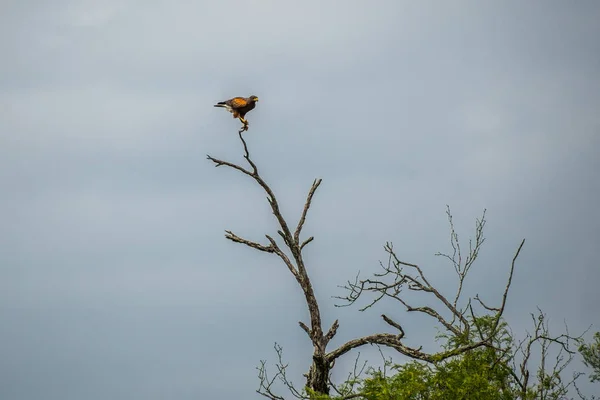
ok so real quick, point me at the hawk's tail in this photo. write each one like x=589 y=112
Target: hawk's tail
x=220 y=104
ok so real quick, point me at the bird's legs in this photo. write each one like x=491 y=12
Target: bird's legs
x=245 y=127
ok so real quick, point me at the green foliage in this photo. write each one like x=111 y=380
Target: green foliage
x=312 y=395
x=482 y=373
x=486 y=372
x=591 y=356
x=473 y=375
x=412 y=381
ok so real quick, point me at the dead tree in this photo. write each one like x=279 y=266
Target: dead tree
x=413 y=278
x=318 y=376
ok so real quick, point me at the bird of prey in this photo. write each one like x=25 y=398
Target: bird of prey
x=239 y=107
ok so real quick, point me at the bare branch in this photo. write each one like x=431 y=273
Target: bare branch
x=385 y=339
x=247 y=153
x=510 y=276
x=484 y=305
x=427 y=287
x=284 y=257
x=432 y=313
x=305 y=329
x=394 y=324
x=307 y=241
x=345 y=392
x=386 y=362
x=403 y=275
x=394 y=342
x=456 y=258
x=311 y=193
x=234 y=238
x=505 y=294
x=219 y=163
x=266 y=384
x=332 y=331
x=547 y=381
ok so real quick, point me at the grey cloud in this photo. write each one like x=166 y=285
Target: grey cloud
x=116 y=280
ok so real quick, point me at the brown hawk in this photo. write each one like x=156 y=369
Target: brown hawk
x=239 y=106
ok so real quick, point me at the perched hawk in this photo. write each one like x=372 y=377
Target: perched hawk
x=239 y=106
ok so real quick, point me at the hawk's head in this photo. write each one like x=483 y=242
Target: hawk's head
x=253 y=98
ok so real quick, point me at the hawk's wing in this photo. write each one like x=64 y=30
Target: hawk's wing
x=238 y=102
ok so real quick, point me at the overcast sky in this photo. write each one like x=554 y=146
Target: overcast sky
x=116 y=281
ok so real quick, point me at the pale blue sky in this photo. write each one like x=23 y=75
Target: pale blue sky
x=116 y=281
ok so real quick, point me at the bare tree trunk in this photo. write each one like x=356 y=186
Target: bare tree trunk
x=318 y=376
